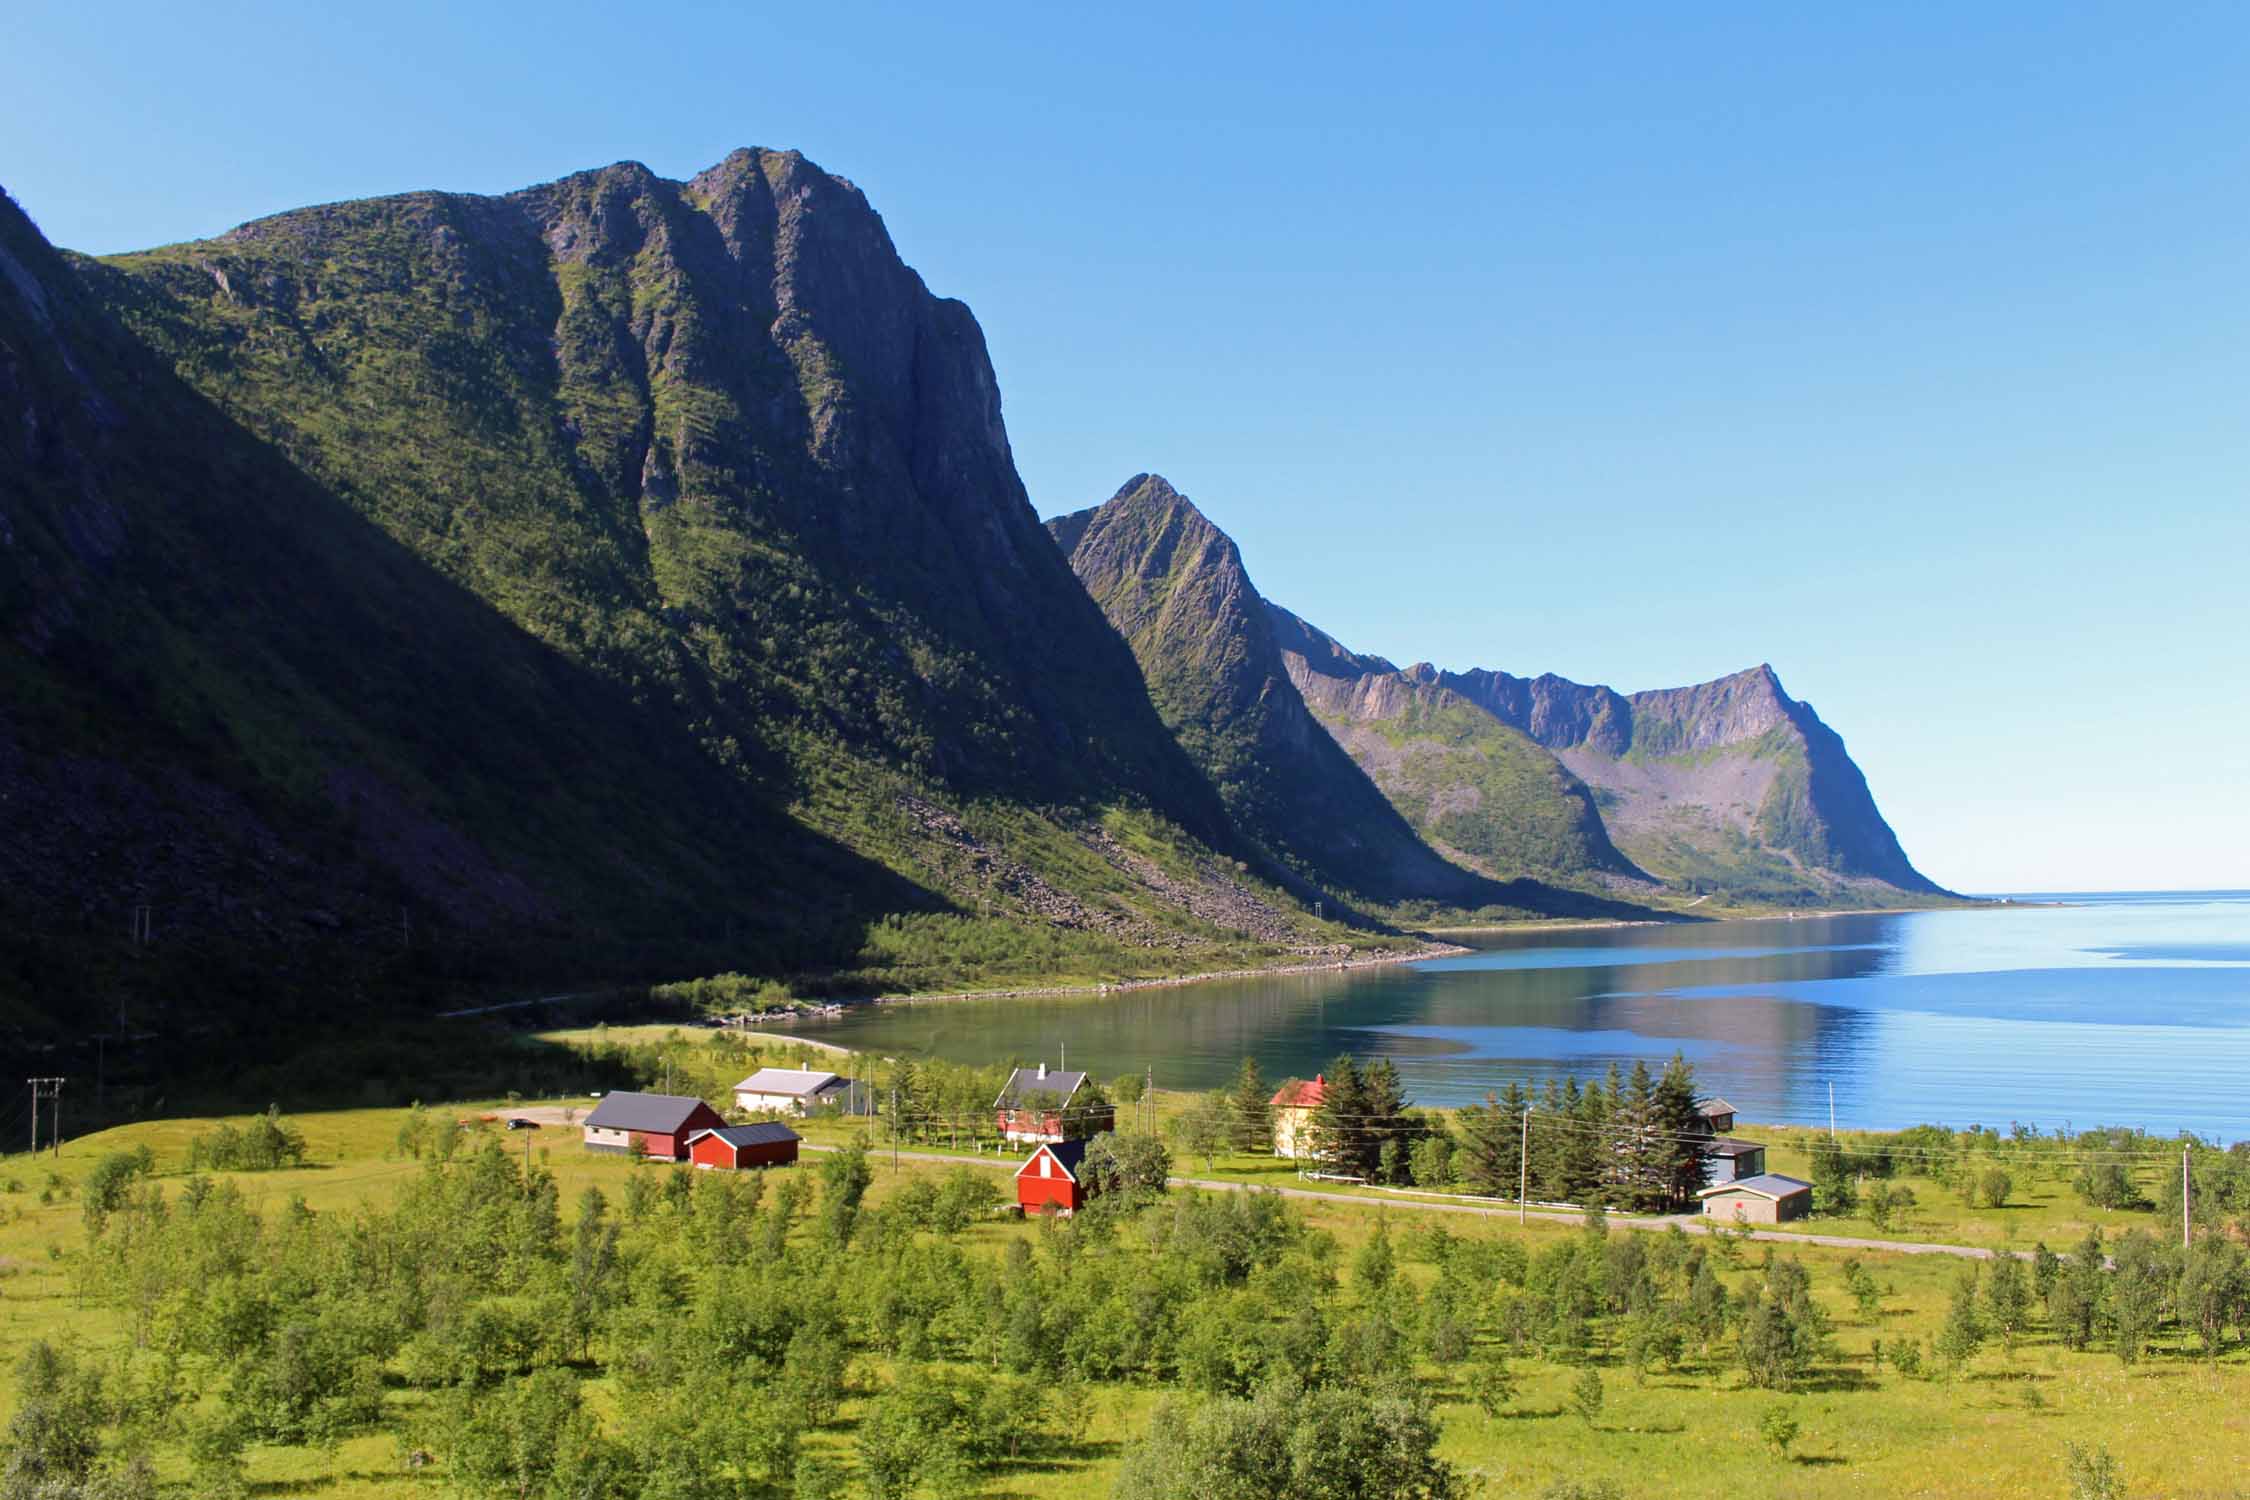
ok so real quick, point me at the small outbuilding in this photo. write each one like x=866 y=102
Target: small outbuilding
x=1717 y=1115
x=1052 y=1179
x=1769 y=1198
x=1731 y=1160
x=731 y=1148
x=662 y=1122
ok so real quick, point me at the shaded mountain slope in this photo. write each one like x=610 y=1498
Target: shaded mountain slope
x=1175 y=588
x=619 y=576
x=1477 y=788
x=253 y=751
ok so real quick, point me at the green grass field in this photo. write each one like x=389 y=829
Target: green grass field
x=2177 y=1424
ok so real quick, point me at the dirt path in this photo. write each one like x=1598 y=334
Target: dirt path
x=1691 y=1223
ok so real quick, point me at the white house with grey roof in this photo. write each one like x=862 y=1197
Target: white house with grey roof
x=793 y=1091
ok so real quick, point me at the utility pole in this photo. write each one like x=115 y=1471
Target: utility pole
x=1523 y=1167
x=49 y=1089
x=2185 y=1189
x=894 y=1127
x=1148 y=1096
x=1831 y=1113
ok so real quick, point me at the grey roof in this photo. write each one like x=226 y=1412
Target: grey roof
x=1715 y=1107
x=663 y=1114
x=1727 y=1145
x=796 y=1082
x=1765 y=1185
x=767 y=1133
x=1025 y=1083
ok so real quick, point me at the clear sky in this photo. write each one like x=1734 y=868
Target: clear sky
x=1908 y=351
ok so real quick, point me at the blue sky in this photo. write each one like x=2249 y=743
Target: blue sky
x=1907 y=351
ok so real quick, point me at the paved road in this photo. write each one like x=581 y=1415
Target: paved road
x=1691 y=1223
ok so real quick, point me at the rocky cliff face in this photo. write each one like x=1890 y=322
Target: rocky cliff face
x=637 y=567
x=1726 y=779
x=1471 y=784
x=1175 y=588
x=1728 y=787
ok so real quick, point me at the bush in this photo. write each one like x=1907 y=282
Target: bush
x=266 y=1144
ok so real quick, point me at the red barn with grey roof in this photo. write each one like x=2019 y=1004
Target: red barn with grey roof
x=662 y=1122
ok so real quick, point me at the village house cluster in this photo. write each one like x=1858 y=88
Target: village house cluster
x=1055 y=1113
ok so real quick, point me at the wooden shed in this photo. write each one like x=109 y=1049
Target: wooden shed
x=662 y=1122
x=733 y=1147
x=1769 y=1198
x=1051 y=1179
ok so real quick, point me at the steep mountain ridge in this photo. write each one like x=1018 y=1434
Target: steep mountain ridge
x=1767 y=775
x=631 y=573
x=1729 y=787
x=1476 y=788
x=1174 y=586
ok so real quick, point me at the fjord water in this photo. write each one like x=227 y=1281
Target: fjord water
x=2060 y=1009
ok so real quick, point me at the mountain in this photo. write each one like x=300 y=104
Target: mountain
x=1729 y=785
x=1728 y=788
x=1175 y=588
x=619 y=577
x=1480 y=789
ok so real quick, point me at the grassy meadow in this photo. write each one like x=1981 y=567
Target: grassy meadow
x=2176 y=1423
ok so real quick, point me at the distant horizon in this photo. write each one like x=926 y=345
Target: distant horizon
x=1903 y=352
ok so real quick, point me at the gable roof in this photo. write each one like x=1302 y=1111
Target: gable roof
x=1067 y=1154
x=796 y=1082
x=1298 y=1094
x=767 y=1133
x=1026 y=1084
x=1714 y=1106
x=1765 y=1185
x=660 y=1114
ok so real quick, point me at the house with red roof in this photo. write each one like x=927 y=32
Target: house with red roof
x=1293 y=1106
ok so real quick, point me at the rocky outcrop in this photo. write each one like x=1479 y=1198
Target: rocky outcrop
x=1728 y=787
x=1174 y=586
x=1476 y=787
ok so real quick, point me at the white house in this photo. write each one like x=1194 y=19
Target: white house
x=793 y=1091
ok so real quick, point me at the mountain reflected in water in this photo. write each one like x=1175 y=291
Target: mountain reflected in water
x=2127 y=1010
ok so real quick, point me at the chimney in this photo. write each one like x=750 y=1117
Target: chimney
x=1042 y=1070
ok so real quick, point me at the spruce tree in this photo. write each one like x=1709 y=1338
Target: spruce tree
x=1687 y=1160
x=1339 y=1125
x=1253 y=1108
x=1387 y=1124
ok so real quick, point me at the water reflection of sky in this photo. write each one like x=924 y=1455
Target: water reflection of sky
x=2126 y=1012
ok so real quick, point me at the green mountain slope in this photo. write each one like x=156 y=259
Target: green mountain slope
x=1478 y=789
x=618 y=577
x=1728 y=787
x=1175 y=588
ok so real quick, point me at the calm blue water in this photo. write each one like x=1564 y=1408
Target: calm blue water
x=2109 y=1009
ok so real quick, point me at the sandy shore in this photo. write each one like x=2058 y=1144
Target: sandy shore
x=1118 y=987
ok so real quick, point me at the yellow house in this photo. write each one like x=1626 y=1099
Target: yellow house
x=1293 y=1106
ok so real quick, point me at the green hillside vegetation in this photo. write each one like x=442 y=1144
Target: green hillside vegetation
x=1476 y=786
x=1174 y=587
x=623 y=579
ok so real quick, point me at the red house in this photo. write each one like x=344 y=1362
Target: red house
x=662 y=1122
x=1043 y=1104
x=733 y=1147
x=1052 y=1180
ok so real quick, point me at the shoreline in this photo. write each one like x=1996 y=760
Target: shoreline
x=1173 y=981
